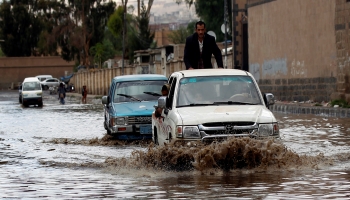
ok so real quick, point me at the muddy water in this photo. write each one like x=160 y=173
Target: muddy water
x=61 y=151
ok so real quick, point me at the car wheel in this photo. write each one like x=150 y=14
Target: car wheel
x=20 y=100
x=46 y=87
x=40 y=104
x=155 y=136
x=25 y=104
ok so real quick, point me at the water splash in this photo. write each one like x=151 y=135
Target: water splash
x=232 y=154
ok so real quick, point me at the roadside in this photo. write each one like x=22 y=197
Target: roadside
x=322 y=109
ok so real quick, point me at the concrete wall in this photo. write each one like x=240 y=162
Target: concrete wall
x=342 y=33
x=98 y=81
x=292 y=48
x=15 y=69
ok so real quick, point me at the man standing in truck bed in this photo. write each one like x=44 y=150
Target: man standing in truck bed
x=199 y=48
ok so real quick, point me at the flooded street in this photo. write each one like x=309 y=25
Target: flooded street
x=61 y=151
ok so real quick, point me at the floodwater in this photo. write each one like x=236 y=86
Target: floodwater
x=62 y=152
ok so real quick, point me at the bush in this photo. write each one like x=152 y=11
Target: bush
x=341 y=102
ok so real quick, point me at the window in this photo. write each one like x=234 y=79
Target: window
x=137 y=91
x=171 y=94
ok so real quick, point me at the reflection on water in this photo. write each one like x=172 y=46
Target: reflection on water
x=61 y=151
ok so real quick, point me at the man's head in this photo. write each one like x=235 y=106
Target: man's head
x=165 y=90
x=200 y=29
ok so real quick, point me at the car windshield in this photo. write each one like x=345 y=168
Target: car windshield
x=29 y=86
x=138 y=91
x=218 y=90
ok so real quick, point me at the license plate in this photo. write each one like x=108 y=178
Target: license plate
x=145 y=129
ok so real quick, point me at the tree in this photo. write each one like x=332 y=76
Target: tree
x=141 y=37
x=81 y=27
x=102 y=52
x=18 y=29
x=179 y=36
x=212 y=13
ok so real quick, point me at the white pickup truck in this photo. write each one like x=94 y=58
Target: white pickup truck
x=213 y=104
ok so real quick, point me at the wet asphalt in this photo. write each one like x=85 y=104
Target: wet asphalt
x=63 y=152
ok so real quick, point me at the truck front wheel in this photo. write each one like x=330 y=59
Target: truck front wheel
x=155 y=136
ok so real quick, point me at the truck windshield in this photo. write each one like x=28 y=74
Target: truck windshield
x=217 y=90
x=138 y=91
x=30 y=86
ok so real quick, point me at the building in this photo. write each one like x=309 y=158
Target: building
x=299 y=50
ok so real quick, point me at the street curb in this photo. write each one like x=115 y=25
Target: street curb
x=313 y=110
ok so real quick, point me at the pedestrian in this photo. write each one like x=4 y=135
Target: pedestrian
x=199 y=48
x=61 y=93
x=84 y=94
x=165 y=92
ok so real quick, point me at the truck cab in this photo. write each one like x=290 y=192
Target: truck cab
x=213 y=104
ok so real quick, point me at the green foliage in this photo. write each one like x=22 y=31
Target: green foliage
x=141 y=38
x=115 y=22
x=102 y=52
x=81 y=27
x=23 y=23
x=2 y=53
x=341 y=102
x=179 y=36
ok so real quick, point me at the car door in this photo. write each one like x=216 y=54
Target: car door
x=167 y=126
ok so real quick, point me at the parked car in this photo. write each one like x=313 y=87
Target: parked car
x=43 y=77
x=213 y=104
x=130 y=104
x=50 y=82
x=32 y=93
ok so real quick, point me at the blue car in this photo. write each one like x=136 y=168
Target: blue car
x=129 y=105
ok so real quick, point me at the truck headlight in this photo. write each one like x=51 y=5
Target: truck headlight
x=188 y=132
x=39 y=94
x=121 y=121
x=268 y=129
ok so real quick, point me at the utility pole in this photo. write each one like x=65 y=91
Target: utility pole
x=225 y=22
x=138 y=8
x=233 y=12
x=124 y=33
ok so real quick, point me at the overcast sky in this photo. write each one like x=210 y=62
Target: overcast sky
x=160 y=7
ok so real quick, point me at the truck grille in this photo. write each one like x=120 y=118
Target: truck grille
x=140 y=120
x=228 y=128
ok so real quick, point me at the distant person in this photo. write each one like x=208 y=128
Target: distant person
x=61 y=93
x=84 y=94
x=199 y=48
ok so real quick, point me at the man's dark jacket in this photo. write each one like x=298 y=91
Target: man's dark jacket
x=192 y=52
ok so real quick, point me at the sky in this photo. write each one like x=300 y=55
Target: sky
x=160 y=7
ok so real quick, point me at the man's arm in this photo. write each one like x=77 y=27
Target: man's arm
x=187 y=54
x=217 y=55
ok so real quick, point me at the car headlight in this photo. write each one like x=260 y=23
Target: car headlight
x=268 y=129
x=39 y=94
x=25 y=95
x=121 y=121
x=188 y=132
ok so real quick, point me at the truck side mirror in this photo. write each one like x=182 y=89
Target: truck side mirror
x=105 y=100
x=162 y=102
x=269 y=99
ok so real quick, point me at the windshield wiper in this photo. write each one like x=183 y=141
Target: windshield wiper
x=196 y=104
x=130 y=97
x=233 y=103
x=153 y=94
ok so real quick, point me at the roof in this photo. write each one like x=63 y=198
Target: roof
x=136 y=77
x=213 y=72
x=30 y=79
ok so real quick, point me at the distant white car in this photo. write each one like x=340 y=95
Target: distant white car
x=51 y=82
x=213 y=104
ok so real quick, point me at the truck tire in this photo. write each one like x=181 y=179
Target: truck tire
x=155 y=136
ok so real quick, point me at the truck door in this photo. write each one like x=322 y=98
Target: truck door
x=167 y=124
